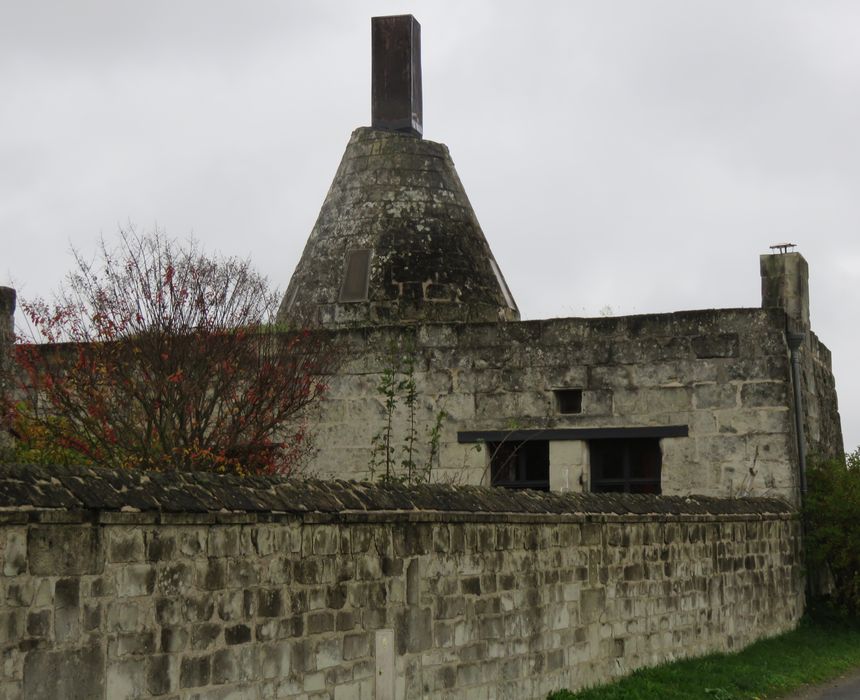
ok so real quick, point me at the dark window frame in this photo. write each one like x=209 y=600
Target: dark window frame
x=632 y=450
x=532 y=456
x=555 y=434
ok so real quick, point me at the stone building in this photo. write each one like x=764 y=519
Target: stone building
x=397 y=265
x=127 y=584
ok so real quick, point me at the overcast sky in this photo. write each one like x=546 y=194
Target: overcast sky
x=632 y=155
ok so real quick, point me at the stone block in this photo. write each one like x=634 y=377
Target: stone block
x=123 y=616
x=241 y=573
x=39 y=624
x=71 y=674
x=173 y=639
x=20 y=593
x=198 y=607
x=223 y=542
x=205 y=635
x=716 y=345
x=67 y=593
x=55 y=550
x=275 y=660
x=135 y=580
x=102 y=587
x=126 y=679
x=335 y=596
x=412 y=539
x=226 y=666
x=192 y=541
x=269 y=602
x=237 y=634
x=160 y=674
x=195 y=671
x=567 y=465
x=760 y=394
x=328 y=653
x=610 y=377
x=160 y=546
x=715 y=395
x=174 y=578
x=345 y=620
x=320 y=622
x=592 y=603
x=413 y=630
x=15 y=552
x=125 y=545
x=135 y=643
x=67 y=624
x=211 y=574
x=356 y=646
x=231 y=605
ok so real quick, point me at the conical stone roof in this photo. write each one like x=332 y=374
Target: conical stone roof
x=396 y=241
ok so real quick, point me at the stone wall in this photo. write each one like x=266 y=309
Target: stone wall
x=822 y=423
x=723 y=374
x=132 y=585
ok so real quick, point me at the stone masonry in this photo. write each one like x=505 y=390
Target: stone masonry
x=397 y=259
x=399 y=198
x=722 y=374
x=192 y=586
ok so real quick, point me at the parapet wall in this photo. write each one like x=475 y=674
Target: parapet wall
x=820 y=403
x=120 y=585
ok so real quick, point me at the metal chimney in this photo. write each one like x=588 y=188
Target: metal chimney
x=396 y=74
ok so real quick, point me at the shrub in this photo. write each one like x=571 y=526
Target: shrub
x=832 y=518
x=158 y=356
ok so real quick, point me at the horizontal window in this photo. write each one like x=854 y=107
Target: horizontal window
x=520 y=465
x=625 y=466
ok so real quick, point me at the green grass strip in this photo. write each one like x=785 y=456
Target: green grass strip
x=815 y=652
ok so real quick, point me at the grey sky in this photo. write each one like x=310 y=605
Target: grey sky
x=636 y=155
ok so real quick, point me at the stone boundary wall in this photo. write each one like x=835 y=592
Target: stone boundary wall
x=191 y=586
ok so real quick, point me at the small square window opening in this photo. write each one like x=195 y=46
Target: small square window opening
x=568 y=400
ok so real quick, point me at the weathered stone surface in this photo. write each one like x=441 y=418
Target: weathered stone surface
x=77 y=549
x=477 y=592
x=707 y=370
x=400 y=198
x=64 y=550
x=71 y=674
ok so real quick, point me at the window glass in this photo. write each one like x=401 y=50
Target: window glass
x=520 y=465
x=625 y=465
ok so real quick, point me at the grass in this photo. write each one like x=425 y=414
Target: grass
x=818 y=650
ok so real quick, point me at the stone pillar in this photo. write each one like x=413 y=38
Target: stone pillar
x=785 y=284
x=568 y=461
x=7 y=337
x=7 y=314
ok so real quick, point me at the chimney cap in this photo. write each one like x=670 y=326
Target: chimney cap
x=782 y=248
